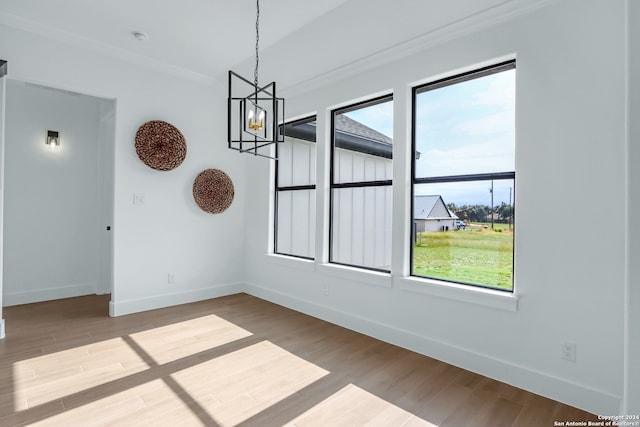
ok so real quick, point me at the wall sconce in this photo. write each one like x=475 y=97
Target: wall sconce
x=53 y=139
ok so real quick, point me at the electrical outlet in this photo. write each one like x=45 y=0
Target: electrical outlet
x=325 y=289
x=171 y=278
x=568 y=351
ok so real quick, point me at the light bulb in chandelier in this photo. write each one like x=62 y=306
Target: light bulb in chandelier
x=255 y=118
x=252 y=123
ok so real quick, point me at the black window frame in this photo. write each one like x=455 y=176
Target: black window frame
x=448 y=81
x=360 y=184
x=289 y=130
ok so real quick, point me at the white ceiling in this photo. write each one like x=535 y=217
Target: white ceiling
x=207 y=37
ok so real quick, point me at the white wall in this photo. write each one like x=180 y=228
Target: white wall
x=3 y=90
x=169 y=233
x=570 y=151
x=632 y=374
x=51 y=196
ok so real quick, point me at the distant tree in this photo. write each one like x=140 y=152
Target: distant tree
x=480 y=212
x=504 y=211
x=471 y=212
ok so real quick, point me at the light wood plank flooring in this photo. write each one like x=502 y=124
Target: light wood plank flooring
x=230 y=361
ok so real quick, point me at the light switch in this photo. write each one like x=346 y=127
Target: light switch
x=138 y=199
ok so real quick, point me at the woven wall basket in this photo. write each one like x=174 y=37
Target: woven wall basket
x=160 y=145
x=213 y=191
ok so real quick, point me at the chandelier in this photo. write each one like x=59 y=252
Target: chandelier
x=253 y=111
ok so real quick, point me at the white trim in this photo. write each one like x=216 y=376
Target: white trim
x=121 y=308
x=106 y=185
x=566 y=391
x=402 y=147
x=2 y=332
x=361 y=275
x=469 y=294
x=323 y=192
x=466 y=68
x=47 y=31
x=457 y=292
x=48 y=294
x=291 y=262
x=487 y=18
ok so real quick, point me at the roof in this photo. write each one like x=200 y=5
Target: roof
x=431 y=207
x=350 y=135
x=349 y=126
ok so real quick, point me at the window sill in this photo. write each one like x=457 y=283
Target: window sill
x=355 y=274
x=292 y=262
x=479 y=296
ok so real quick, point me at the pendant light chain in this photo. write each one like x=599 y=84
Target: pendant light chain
x=255 y=72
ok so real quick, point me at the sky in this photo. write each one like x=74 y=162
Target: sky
x=465 y=128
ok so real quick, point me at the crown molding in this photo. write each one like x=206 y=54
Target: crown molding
x=503 y=12
x=104 y=49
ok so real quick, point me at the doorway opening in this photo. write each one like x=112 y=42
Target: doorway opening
x=58 y=194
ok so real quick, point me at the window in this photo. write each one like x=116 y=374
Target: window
x=464 y=178
x=361 y=193
x=295 y=195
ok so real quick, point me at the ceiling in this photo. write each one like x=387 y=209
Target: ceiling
x=205 y=38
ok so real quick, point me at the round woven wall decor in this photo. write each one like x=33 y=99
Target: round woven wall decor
x=160 y=145
x=213 y=191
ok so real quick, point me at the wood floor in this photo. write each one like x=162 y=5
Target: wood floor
x=236 y=360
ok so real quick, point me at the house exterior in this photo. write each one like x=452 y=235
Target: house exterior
x=362 y=154
x=431 y=214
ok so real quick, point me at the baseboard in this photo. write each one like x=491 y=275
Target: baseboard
x=1 y=329
x=562 y=390
x=48 y=294
x=121 y=308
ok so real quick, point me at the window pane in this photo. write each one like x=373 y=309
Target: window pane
x=295 y=207
x=361 y=226
x=296 y=218
x=297 y=156
x=466 y=128
x=363 y=144
x=463 y=234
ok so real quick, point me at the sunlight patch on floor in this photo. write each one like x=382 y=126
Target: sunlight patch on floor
x=241 y=384
x=178 y=340
x=150 y=404
x=351 y=406
x=53 y=376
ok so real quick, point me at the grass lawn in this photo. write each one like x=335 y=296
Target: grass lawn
x=477 y=255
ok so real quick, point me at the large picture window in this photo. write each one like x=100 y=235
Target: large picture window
x=295 y=195
x=464 y=178
x=361 y=193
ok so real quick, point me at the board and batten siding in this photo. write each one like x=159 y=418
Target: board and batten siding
x=362 y=216
x=296 y=210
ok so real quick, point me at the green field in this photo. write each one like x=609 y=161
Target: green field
x=477 y=255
